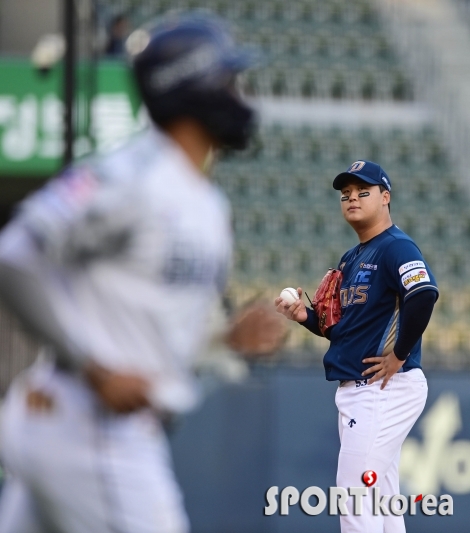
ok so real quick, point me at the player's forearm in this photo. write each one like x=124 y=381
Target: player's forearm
x=24 y=295
x=417 y=312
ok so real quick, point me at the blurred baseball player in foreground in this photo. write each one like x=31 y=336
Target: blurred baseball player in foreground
x=115 y=265
x=374 y=309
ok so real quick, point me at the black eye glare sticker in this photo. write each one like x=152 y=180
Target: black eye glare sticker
x=364 y=194
x=344 y=198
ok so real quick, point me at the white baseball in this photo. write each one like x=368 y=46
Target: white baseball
x=289 y=295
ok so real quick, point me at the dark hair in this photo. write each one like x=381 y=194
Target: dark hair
x=383 y=189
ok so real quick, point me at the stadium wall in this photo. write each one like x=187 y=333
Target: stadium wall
x=280 y=428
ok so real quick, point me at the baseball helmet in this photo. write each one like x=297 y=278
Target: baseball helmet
x=187 y=67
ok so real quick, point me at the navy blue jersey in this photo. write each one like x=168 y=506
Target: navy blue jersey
x=379 y=276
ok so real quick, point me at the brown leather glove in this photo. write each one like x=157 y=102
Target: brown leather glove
x=326 y=302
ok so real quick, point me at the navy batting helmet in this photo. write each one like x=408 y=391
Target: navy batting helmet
x=188 y=68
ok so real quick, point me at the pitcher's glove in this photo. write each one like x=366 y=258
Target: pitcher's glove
x=326 y=302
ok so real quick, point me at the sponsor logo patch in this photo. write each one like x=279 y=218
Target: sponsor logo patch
x=413 y=277
x=410 y=266
x=368 y=266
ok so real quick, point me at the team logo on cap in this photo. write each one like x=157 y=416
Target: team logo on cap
x=357 y=166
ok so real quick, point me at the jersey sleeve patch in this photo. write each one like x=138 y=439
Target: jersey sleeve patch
x=411 y=266
x=415 y=276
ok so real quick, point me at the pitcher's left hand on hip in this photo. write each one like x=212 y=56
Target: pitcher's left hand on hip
x=385 y=367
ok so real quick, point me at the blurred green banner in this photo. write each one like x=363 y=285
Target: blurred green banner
x=31 y=114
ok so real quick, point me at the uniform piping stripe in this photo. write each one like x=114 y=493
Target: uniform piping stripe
x=388 y=338
x=391 y=339
x=423 y=287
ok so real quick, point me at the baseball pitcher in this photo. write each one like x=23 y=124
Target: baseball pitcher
x=374 y=309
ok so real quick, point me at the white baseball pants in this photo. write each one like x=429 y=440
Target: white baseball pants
x=78 y=469
x=373 y=424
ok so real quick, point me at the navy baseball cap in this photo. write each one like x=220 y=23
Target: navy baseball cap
x=365 y=171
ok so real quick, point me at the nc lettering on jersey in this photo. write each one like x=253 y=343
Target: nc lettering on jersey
x=314 y=501
x=363 y=276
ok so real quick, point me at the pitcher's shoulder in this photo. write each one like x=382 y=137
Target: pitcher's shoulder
x=394 y=233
